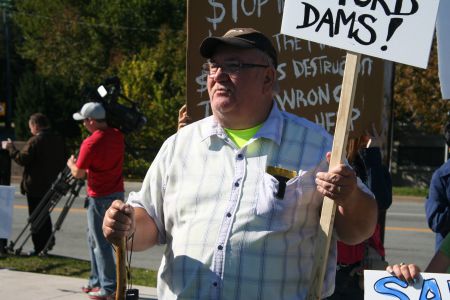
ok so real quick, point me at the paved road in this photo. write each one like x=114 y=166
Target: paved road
x=71 y=238
x=407 y=239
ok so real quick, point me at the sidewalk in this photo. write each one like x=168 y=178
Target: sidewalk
x=24 y=286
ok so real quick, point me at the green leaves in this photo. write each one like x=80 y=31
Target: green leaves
x=417 y=96
x=71 y=44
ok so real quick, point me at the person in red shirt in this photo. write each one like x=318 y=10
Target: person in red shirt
x=100 y=160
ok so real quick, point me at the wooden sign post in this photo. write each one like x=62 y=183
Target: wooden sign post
x=375 y=28
x=337 y=156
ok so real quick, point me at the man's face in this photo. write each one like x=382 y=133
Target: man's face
x=89 y=124
x=239 y=99
x=33 y=128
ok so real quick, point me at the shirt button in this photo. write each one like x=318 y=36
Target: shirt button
x=220 y=247
x=229 y=215
x=214 y=283
x=236 y=184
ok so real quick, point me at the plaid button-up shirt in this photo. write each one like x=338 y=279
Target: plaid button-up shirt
x=228 y=236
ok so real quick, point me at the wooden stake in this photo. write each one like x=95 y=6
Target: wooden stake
x=121 y=269
x=337 y=157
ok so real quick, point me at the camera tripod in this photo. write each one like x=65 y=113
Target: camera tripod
x=63 y=184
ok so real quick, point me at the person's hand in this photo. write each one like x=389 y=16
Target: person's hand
x=118 y=222
x=10 y=145
x=406 y=272
x=374 y=138
x=338 y=183
x=183 y=118
x=71 y=161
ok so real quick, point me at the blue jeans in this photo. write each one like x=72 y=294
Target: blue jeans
x=103 y=266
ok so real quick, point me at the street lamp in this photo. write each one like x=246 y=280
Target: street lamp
x=6 y=6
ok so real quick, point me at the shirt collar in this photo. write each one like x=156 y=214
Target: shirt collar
x=272 y=128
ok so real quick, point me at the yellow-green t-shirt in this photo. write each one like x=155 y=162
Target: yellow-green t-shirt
x=242 y=136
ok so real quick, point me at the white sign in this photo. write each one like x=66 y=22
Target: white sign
x=380 y=285
x=443 y=41
x=396 y=30
x=6 y=210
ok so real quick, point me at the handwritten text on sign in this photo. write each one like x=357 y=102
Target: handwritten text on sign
x=396 y=30
x=309 y=74
x=380 y=285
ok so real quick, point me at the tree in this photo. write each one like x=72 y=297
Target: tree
x=72 y=44
x=81 y=41
x=45 y=95
x=417 y=97
x=155 y=78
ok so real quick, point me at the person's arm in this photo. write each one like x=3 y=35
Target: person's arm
x=26 y=155
x=123 y=221
x=356 y=214
x=76 y=172
x=183 y=118
x=437 y=206
x=378 y=177
x=439 y=263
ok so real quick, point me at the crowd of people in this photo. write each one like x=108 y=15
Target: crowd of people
x=234 y=197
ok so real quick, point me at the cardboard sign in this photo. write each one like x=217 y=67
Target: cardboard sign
x=400 y=30
x=310 y=74
x=380 y=285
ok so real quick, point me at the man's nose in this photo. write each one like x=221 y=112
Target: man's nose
x=220 y=75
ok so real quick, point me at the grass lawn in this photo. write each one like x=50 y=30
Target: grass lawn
x=66 y=266
x=410 y=191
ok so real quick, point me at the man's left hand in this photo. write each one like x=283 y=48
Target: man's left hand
x=338 y=183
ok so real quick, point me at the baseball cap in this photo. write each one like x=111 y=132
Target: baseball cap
x=92 y=110
x=246 y=38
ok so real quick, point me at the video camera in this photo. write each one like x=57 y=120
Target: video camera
x=125 y=118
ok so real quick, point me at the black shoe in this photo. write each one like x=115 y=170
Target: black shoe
x=51 y=245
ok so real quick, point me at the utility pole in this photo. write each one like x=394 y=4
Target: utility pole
x=6 y=6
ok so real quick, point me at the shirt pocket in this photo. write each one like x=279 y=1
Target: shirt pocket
x=282 y=213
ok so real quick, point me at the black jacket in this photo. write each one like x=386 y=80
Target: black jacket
x=43 y=157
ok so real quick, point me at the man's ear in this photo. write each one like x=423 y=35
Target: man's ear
x=269 y=78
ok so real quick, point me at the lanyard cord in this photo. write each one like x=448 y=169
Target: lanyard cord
x=129 y=277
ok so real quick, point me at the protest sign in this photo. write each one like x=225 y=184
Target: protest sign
x=310 y=74
x=443 y=42
x=356 y=26
x=400 y=31
x=380 y=285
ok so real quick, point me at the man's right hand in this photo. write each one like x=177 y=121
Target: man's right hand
x=118 y=222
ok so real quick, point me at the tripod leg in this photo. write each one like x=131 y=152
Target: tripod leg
x=38 y=220
x=59 y=222
x=59 y=188
x=75 y=190
x=31 y=219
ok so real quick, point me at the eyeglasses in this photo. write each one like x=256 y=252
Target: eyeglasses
x=231 y=68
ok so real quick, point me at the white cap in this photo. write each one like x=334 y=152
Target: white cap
x=91 y=110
